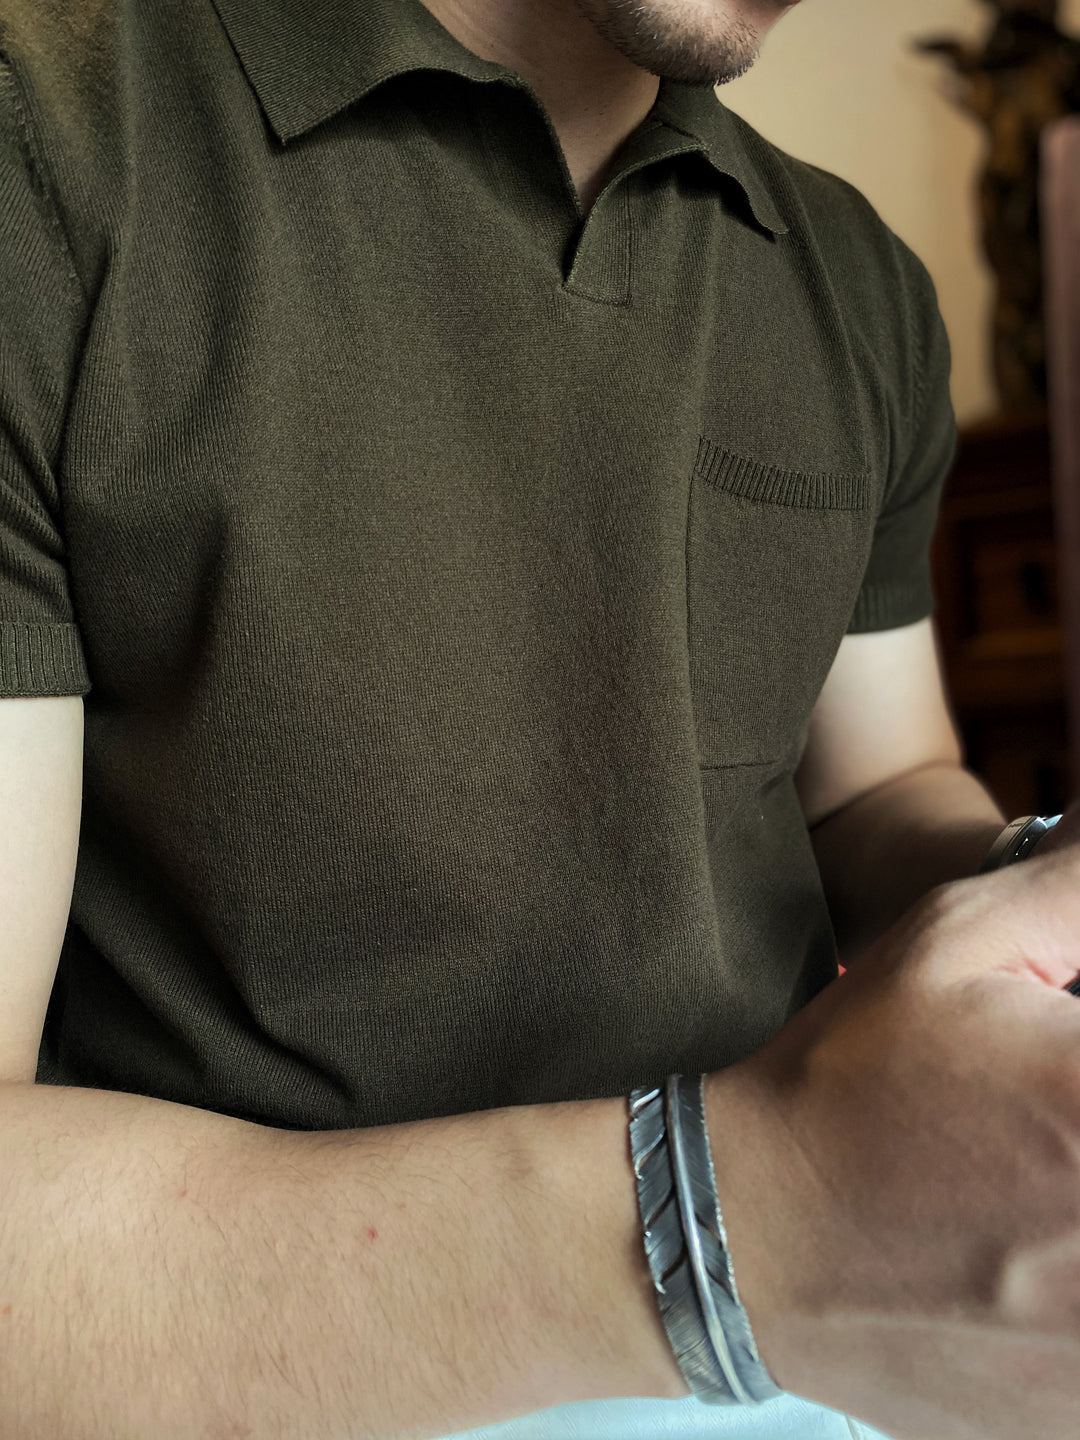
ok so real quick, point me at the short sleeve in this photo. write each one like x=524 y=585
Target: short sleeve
x=896 y=588
x=42 y=313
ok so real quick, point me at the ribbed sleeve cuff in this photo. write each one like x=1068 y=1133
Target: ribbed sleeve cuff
x=38 y=660
x=888 y=606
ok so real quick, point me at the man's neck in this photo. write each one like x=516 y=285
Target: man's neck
x=594 y=96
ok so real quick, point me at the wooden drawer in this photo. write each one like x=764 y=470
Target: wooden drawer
x=996 y=578
x=997 y=592
x=1013 y=581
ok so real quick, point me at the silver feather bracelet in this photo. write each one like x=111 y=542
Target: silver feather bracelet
x=686 y=1246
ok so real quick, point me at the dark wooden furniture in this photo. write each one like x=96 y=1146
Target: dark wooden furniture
x=1007 y=551
x=998 y=613
x=1060 y=228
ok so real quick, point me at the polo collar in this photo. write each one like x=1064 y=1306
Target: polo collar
x=729 y=144
x=308 y=59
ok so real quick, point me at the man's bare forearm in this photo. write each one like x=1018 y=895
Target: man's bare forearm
x=167 y=1273
x=887 y=849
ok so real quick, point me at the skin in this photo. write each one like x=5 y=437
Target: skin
x=596 y=64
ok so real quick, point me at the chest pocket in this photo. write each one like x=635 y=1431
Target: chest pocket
x=775 y=558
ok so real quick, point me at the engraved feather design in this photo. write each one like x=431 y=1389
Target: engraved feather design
x=699 y=1320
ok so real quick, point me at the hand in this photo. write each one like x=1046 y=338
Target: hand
x=899 y=1171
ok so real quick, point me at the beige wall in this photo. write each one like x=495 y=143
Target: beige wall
x=838 y=85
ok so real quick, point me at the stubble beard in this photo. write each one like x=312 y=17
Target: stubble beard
x=667 y=39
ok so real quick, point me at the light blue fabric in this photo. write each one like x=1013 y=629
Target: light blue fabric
x=787 y=1418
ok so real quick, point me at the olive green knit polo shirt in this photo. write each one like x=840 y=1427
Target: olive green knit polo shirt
x=449 y=576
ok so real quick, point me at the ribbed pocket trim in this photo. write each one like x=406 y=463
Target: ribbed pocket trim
x=38 y=660
x=756 y=480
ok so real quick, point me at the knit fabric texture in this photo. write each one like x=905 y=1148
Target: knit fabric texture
x=449 y=574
